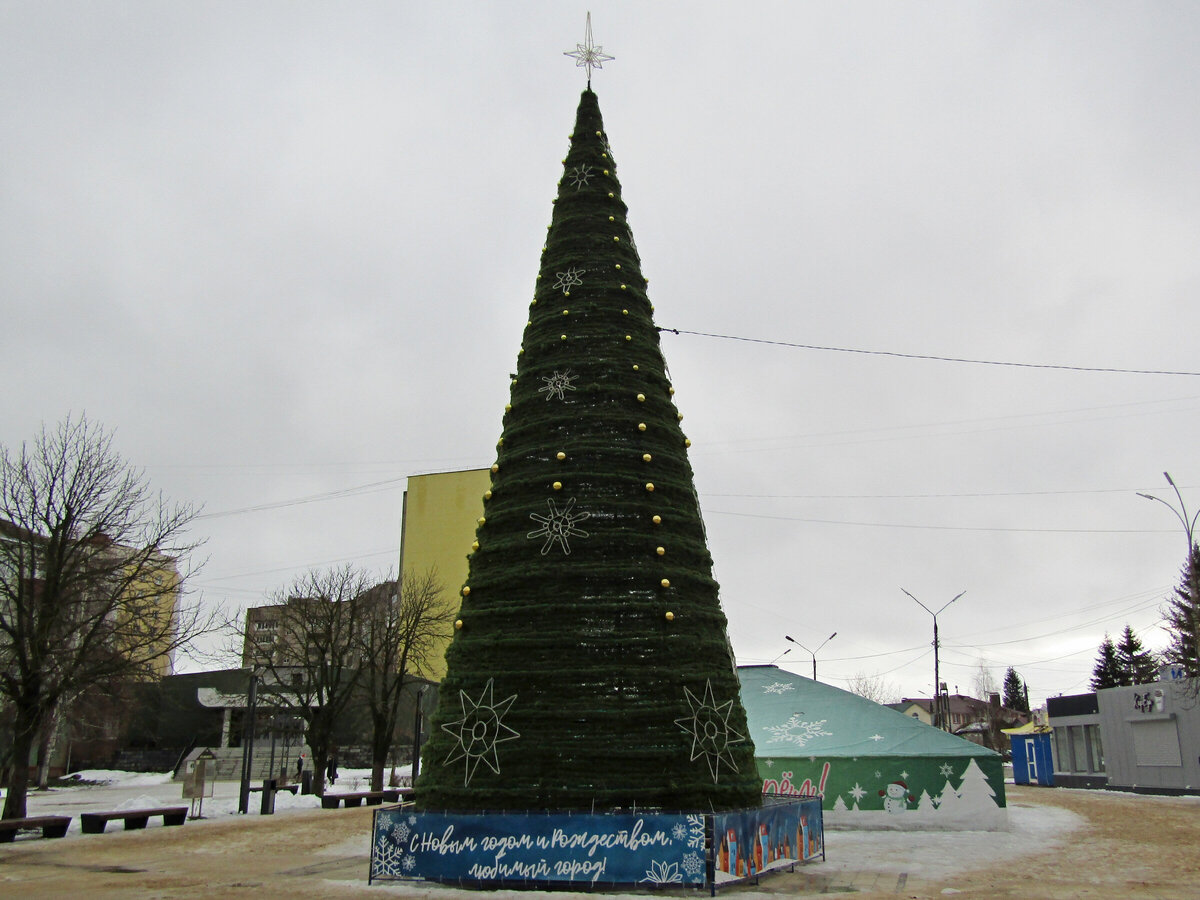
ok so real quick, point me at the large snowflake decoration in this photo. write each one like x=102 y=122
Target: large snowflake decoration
x=568 y=279
x=796 y=731
x=401 y=831
x=558 y=526
x=579 y=176
x=946 y=769
x=386 y=858
x=778 y=687
x=479 y=731
x=663 y=873
x=709 y=727
x=693 y=864
x=558 y=384
x=857 y=792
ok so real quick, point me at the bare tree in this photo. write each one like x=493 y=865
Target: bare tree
x=314 y=666
x=873 y=687
x=90 y=584
x=984 y=681
x=404 y=625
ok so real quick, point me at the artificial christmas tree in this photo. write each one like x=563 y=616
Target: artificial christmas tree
x=590 y=666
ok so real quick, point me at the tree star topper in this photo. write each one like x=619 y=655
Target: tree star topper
x=589 y=54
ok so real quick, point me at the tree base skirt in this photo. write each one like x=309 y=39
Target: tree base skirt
x=534 y=850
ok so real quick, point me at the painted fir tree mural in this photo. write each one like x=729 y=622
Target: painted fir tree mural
x=590 y=666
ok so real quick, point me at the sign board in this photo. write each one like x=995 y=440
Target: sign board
x=584 y=849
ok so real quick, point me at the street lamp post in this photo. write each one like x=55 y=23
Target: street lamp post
x=1189 y=529
x=812 y=653
x=938 y=712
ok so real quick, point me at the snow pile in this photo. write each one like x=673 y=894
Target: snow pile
x=120 y=779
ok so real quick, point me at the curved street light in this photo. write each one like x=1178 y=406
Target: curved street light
x=938 y=713
x=812 y=653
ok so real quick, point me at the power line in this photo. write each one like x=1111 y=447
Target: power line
x=955 y=359
x=725 y=512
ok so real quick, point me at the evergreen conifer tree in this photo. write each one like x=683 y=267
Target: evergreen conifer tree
x=1015 y=694
x=1107 y=671
x=590 y=666
x=1137 y=664
x=1182 y=618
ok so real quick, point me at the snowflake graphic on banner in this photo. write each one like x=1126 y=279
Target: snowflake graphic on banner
x=558 y=384
x=709 y=727
x=400 y=831
x=796 y=731
x=693 y=864
x=778 y=687
x=663 y=873
x=696 y=831
x=409 y=863
x=387 y=858
x=568 y=279
x=679 y=832
x=558 y=526
x=579 y=176
x=479 y=731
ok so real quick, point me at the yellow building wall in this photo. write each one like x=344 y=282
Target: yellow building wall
x=440 y=513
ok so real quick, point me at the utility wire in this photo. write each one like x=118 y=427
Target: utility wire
x=954 y=359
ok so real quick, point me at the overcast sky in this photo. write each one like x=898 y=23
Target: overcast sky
x=286 y=249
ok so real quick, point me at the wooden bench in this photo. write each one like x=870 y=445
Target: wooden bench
x=372 y=798
x=93 y=823
x=52 y=826
x=290 y=788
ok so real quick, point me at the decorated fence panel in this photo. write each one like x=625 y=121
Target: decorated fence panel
x=686 y=849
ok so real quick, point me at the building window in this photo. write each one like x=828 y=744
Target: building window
x=1095 y=747
x=1079 y=757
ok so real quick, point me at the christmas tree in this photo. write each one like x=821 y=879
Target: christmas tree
x=590 y=666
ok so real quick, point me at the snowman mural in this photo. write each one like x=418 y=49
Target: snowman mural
x=896 y=797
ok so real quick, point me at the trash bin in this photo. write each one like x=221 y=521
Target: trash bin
x=269 y=786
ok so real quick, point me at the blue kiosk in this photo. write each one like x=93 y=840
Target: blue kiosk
x=1031 y=758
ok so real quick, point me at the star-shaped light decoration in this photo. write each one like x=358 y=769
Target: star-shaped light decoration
x=589 y=54
x=558 y=384
x=479 y=731
x=558 y=527
x=709 y=727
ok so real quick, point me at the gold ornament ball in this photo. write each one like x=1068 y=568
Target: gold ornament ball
x=612 y=219
x=629 y=337
x=646 y=457
x=657 y=520
x=606 y=171
x=487 y=495
x=482 y=520
x=566 y=312
x=670 y=616
x=598 y=134
x=475 y=545
x=616 y=239
x=661 y=551
x=641 y=398
x=500 y=443
x=666 y=582
x=641 y=426
x=466 y=590
x=508 y=407
x=495 y=468
x=610 y=194
x=687 y=442
x=558 y=485
x=458 y=624
x=650 y=486
x=560 y=456
x=562 y=337
x=618 y=266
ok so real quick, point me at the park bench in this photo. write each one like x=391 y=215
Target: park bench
x=93 y=823
x=290 y=788
x=372 y=798
x=52 y=826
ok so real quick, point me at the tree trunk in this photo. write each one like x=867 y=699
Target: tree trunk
x=45 y=746
x=24 y=729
